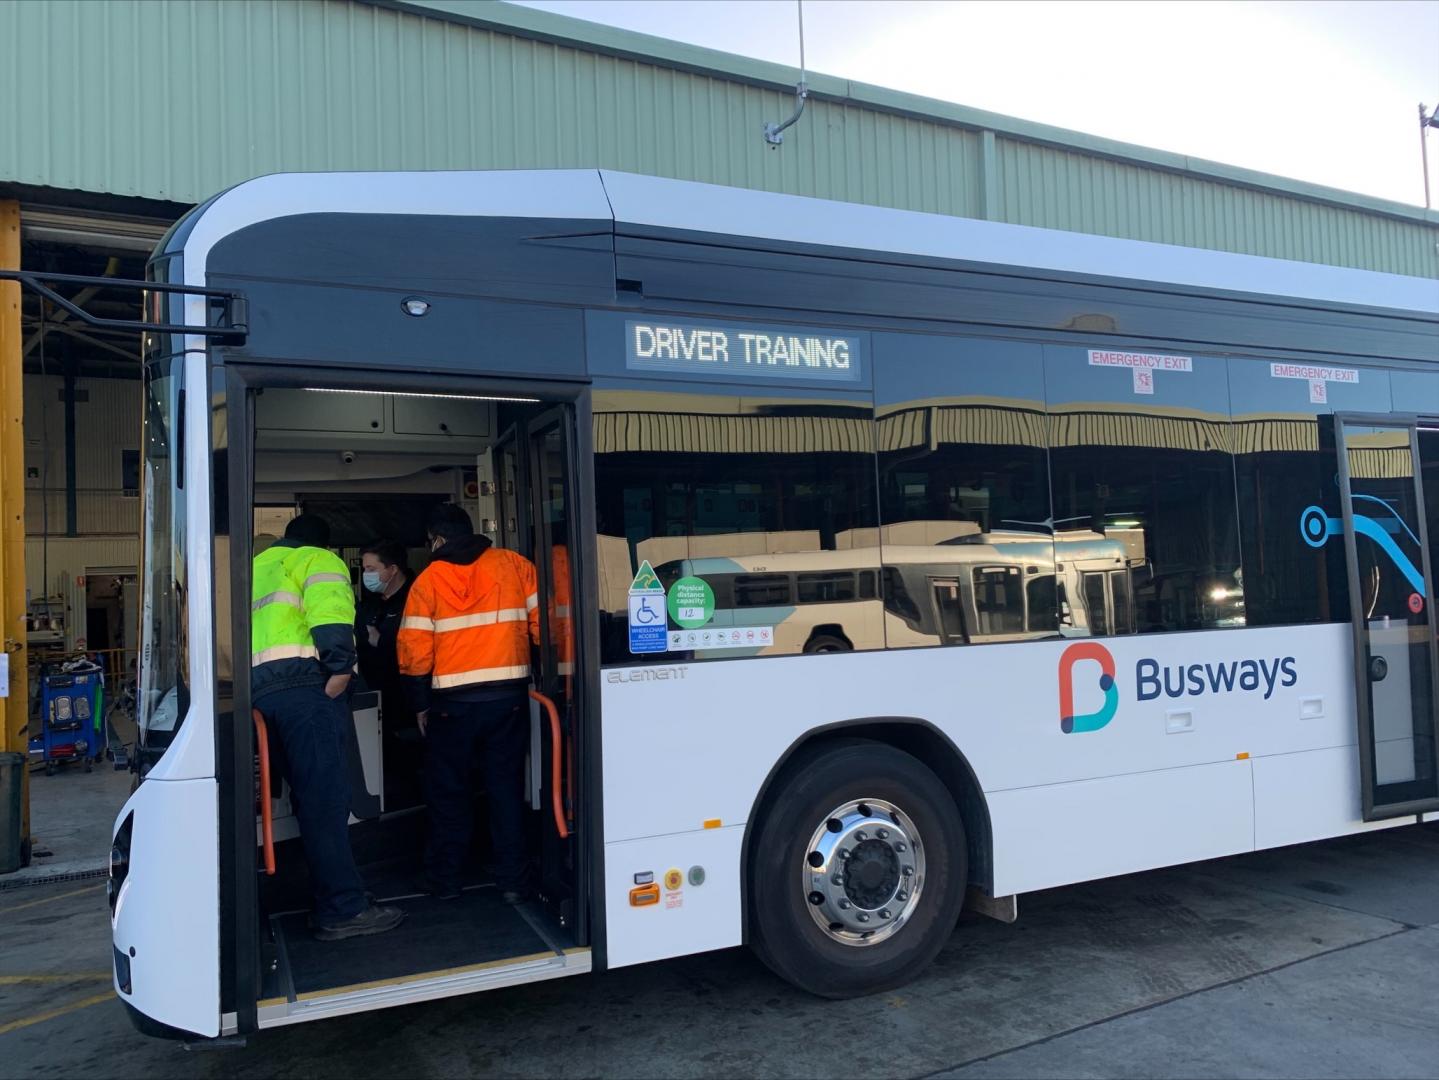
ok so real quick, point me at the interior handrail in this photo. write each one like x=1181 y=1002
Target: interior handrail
x=556 y=748
x=267 y=825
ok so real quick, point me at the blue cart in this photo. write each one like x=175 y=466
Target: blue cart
x=72 y=724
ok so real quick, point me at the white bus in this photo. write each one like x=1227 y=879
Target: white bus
x=1213 y=634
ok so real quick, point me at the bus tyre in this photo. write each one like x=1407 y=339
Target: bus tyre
x=857 y=870
x=827 y=643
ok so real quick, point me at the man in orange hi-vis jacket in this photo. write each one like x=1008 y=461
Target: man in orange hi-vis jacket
x=464 y=652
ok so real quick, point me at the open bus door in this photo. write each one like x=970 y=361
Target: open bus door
x=534 y=498
x=1391 y=586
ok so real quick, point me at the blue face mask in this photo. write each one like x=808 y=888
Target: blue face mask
x=371 y=581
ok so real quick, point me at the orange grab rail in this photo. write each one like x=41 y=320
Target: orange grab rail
x=556 y=793
x=267 y=830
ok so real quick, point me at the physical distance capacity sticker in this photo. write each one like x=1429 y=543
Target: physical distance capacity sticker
x=691 y=602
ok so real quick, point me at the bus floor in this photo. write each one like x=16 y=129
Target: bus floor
x=438 y=937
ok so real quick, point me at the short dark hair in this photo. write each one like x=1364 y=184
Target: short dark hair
x=449 y=522
x=388 y=552
x=309 y=529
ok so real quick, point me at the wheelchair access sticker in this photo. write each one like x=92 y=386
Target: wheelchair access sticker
x=648 y=626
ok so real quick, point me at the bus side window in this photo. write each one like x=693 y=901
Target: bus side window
x=761 y=590
x=826 y=587
x=867 y=585
x=998 y=600
x=1041 y=603
x=1095 y=604
x=950 y=607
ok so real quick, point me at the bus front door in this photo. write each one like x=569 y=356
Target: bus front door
x=1391 y=592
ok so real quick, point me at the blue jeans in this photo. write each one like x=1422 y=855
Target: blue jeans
x=313 y=731
x=461 y=736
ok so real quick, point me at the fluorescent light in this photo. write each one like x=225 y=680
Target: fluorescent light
x=402 y=393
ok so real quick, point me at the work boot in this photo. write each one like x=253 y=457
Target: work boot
x=375 y=919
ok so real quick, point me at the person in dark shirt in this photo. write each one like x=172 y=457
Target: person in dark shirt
x=385 y=579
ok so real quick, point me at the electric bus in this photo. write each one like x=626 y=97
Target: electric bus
x=1125 y=549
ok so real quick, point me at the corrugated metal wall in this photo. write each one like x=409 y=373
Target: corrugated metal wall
x=181 y=98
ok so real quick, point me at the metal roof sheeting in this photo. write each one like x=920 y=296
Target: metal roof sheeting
x=182 y=98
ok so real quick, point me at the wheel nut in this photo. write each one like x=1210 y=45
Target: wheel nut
x=838 y=879
x=844 y=905
x=900 y=846
x=863 y=917
x=861 y=835
x=902 y=895
x=844 y=854
x=883 y=834
x=909 y=871
x=884 y=913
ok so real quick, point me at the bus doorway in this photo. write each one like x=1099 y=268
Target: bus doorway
x=1391 y=585
x=373 y=463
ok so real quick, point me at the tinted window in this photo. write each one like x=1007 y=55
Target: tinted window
x=964 y=485
x=769 y=499
x=1285 y=462
x=1143 y=481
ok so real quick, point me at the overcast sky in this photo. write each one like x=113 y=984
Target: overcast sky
x=1321 y=91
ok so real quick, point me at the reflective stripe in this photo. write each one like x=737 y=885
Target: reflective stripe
x=480 y=618
x=284 y=652
x=280 y=596
x=316 y=579
x=565 y=668
x=562 y=611
x=417 y=622
x=531 y=602
x=484 y=674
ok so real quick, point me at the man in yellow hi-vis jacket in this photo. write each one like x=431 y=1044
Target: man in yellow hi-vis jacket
x=302 y=653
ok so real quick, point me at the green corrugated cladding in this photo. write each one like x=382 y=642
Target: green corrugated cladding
x=177 y=99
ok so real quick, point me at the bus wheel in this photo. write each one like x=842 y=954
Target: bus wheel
x=857 y=870
x=822 y=643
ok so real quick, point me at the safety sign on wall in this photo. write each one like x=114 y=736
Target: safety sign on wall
x=648 y=630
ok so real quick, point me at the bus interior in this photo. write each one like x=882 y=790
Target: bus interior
x=373 y=464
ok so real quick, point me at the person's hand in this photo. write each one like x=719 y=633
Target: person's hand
x=423 y=719
x=335 y=685
x=374 y=636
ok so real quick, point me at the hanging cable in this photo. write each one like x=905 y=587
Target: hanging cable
x=774 y=133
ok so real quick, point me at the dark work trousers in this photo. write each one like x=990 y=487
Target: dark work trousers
x=460 y=737
x=313 y=732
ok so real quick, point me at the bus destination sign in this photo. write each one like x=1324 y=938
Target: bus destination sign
x=741 y=351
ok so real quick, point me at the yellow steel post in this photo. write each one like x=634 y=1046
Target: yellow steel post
x=16 y=707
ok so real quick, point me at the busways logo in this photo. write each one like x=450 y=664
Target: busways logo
x=1151 y=679
x=1069 y=722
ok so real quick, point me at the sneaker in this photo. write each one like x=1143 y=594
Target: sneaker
x=440 y=890
x=373 y=920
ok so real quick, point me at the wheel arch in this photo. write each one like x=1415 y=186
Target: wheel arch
x=921 y=740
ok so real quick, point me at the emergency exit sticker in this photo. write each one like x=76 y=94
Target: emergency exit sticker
x=1142 y=365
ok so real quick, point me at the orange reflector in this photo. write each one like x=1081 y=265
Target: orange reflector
x=645 y=895
x=1242 y=757
x=713 y=823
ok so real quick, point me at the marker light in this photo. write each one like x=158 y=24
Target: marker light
x=415 y=306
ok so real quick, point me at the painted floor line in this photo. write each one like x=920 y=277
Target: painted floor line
x=48 y=899
x=84 y=976
x=40 y=1018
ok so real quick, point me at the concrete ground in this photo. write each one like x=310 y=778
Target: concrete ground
x=1320 y=960
x=71 y=817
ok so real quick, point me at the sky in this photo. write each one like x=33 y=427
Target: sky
x=1326 y=92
